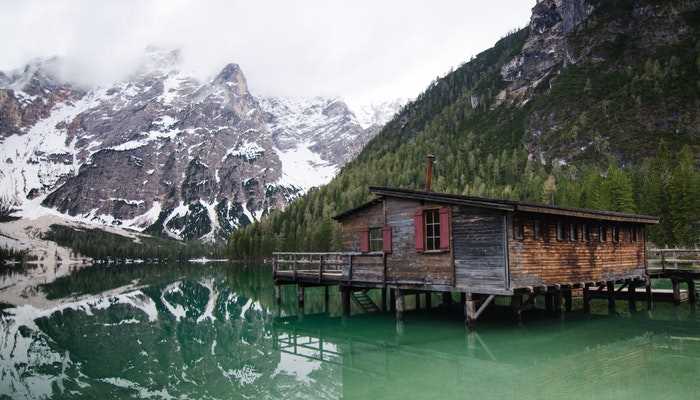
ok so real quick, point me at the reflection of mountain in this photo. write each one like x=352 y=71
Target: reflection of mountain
x=196 y=337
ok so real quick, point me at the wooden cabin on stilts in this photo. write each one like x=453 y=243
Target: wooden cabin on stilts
x=409 y=242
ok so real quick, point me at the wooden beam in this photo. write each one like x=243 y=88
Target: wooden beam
x=483 y=306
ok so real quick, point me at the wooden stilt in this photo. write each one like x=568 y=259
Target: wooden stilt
x=611 y=295
x=470 y=311
x=345 y=300
x=383 y=305
x=462 y=299
x=392 y=300
x=556 y=301
x=676 y=291
x=447 y=299
x=631 y=294
x=549 y=301
x=326 y=299
x=417 y=301
x=586 y=299
x=516 y=303
x=428 y=301
x=650 y=297
x=692 y=294
x=278 y=294
x=400 y=305
x=300 y=298
x=567 y=299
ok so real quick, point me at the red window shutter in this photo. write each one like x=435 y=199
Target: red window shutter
x=386 y=239
x=444 y=228
x=418 y=225
x=364 y=241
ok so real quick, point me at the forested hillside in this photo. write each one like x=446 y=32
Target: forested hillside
x=614 y=123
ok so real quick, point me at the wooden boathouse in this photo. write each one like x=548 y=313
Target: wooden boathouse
x=412 y=242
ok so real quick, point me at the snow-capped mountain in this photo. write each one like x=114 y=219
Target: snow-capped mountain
x=163 y=150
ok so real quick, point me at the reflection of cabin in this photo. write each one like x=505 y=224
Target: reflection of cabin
x=425 y=241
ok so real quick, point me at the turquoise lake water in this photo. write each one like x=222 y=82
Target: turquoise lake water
x=214 y=332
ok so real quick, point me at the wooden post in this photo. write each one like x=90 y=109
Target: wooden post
x=567 y=299
x=278 y=295
x=345 y=299
x=548 y=301
x=692 y=294
x=383 y=305
x=676 y=291
x=556 y=301
x=470 y=311
x=326 y=298
x=447 y=299
x=516 y=303
x=428 y=301
x=300 y=297
x=462 y=299
x=400 y=305
x=392 y=300
x=631 y=296
x=650 y=295
x=611 y=295
x=417 y=301
x=586 y=299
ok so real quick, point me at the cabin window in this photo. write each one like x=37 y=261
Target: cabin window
x=432 y=229
x=586 y=232
x=518 y=231
x=616 y=234
x=537 y=230
x=376 y=240
x=573 y=232
x=561 y=231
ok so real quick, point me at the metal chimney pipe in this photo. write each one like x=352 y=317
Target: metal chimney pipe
x=429 y=172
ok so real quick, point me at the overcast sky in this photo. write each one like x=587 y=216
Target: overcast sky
x=362 y=50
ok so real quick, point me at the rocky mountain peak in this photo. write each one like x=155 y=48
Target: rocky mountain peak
x=232 y=77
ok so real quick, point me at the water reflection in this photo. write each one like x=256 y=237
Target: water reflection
x=213 y=332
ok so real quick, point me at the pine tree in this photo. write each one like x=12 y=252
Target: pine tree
x=684 y=198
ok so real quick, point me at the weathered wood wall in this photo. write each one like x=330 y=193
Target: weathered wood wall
x=479 y=249
x=549 y=261
x=371 y=217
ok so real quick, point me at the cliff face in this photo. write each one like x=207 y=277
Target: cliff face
x=164 y=151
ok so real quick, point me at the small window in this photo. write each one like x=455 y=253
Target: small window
x=537 y=230
x=573 y=232
x=561 y=231
x=616 y=234
x=432 y=229
x=518 y=230
x=586 y=232
x=376 y=240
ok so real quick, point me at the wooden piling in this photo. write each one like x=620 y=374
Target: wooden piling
x=586 y=299
x=650 y=296
x=417 y=301
x=676 y=291
x=516 y=303
x=400 y=305
x=692 y=294
x=278 y=294
x=556 y=301
x=392 y=300
x=631 y=293
x=611 y=295
x=470 y=311
x=383 y=305
x=300 y=298
x=345 y=300
x=548 y=301
x=428 y=301
x=567 y=299
x=326 y=299
x=447 y=299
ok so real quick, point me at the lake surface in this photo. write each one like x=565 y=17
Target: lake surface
x=214 y=332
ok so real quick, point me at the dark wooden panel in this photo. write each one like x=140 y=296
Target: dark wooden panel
x=479 y=248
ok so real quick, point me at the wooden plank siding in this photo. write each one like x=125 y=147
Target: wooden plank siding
x=405 y=264
x=548 y=261
x=479 y=249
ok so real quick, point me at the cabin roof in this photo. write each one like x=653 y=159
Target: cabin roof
x=503 y=205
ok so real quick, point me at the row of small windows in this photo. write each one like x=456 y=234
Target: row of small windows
x=575 y=232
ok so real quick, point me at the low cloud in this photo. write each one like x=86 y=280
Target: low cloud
x=359 y=49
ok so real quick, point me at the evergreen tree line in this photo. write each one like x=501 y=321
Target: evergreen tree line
x=104 y=246
x=9 y=255
x=665 y=186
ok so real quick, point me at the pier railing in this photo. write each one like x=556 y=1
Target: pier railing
x=673 y=259
x=333 y=267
